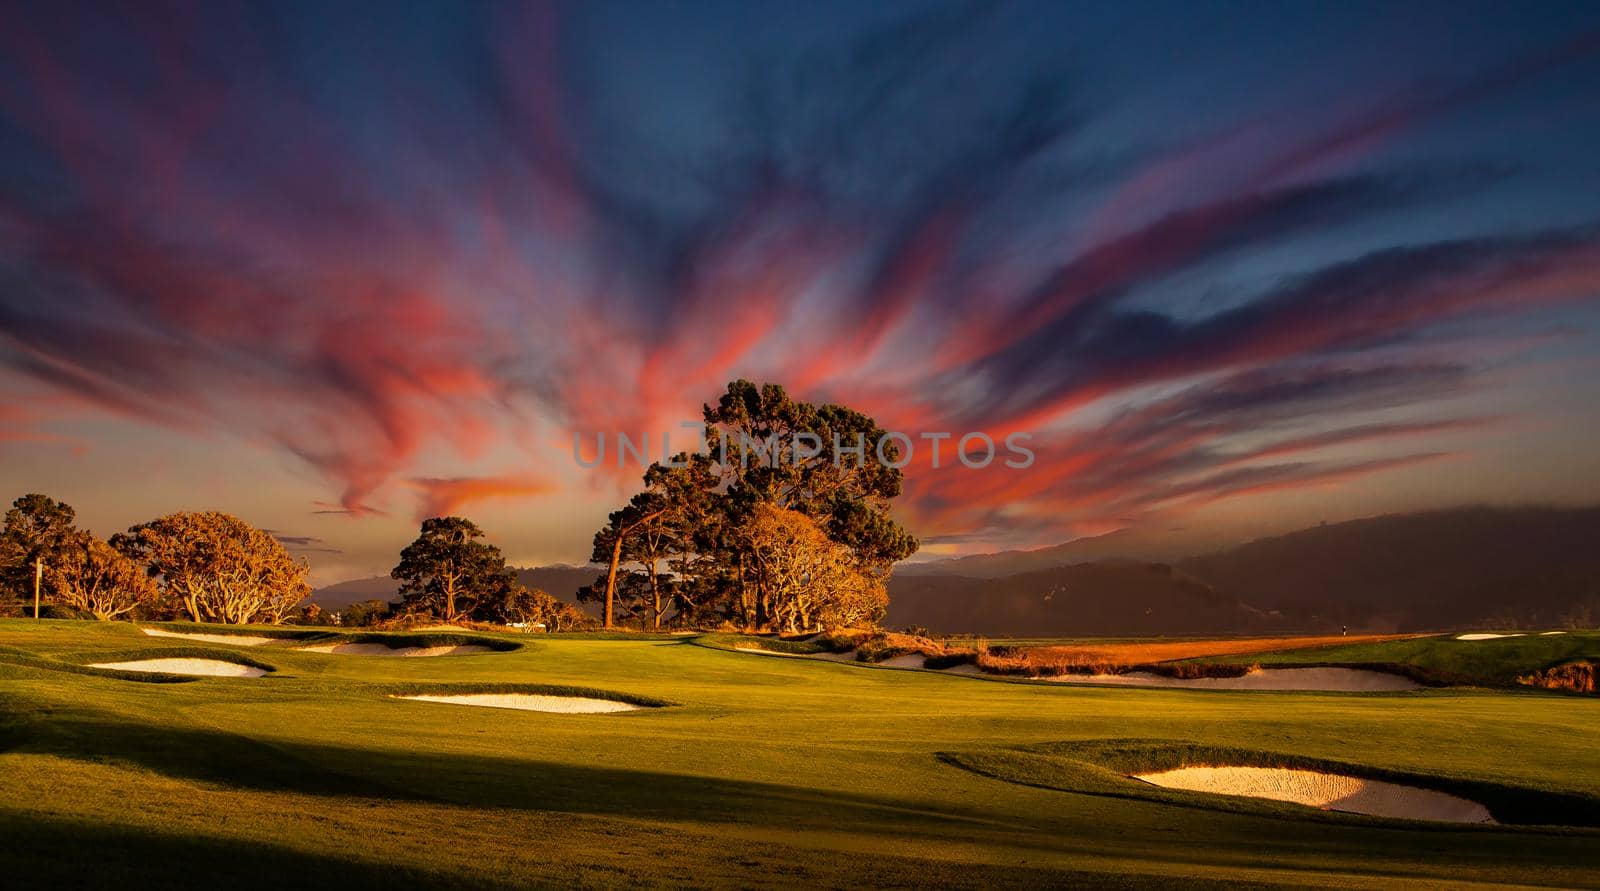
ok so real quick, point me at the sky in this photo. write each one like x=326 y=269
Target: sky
x=1227 y=269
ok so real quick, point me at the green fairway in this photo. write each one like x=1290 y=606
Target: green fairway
x=756 y=771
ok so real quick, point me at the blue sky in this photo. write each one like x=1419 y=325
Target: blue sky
x=1234 y=267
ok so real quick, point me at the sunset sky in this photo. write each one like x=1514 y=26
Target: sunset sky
x=1236 y=267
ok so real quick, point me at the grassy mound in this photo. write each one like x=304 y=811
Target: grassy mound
x=78 y=662
x=180 y=652
x=1441 y=661
x=277 y=632
x=1104 y=767
x=424 y=640
x=41 y=664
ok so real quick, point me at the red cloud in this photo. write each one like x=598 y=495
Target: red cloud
x=443 y=497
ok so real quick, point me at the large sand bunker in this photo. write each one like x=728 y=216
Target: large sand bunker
x=238 y=640
x=207 y=667
x=1485 y=636
x=378 y=649
x=1348 y=680
x=1327 y=791
x=533 y=702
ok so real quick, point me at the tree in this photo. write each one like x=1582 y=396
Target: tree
x=829 y=464
x=92 y=576
x=804 y=579
x=823 y=461
x=38 y=529
x=217 y=568
x=647 y=509
x=517 y=604
x=447 y=570
x=364 y=614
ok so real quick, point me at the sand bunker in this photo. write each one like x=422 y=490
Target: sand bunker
x=238 y=640
x=1350 y=680
x=378 y=649
x=534 y=702
x=1333 y=792
x=208 y=667
x=1548 y=633
x=909 y=660
x=1484 y=636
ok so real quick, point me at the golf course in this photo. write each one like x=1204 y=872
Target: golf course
x=715 y=766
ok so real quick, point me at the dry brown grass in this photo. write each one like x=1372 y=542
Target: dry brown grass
x=1111 y=657
x=1575 y=676
x=872 y=645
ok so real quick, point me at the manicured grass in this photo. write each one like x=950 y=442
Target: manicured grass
x=763 y=771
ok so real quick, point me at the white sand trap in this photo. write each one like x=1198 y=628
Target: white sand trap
x=208 y=667
x=377 y=649
x=1344 y=680
x=534 y=702
x=909 y=660
x=1548 y=633
x=1484 y=636
x=1332 y=792
x=238 y=640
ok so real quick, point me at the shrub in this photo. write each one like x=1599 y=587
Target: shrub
x=1576 y=676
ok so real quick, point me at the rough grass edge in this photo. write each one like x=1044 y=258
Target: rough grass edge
x=472 y=689
x=82 y=657
x=1509 y=804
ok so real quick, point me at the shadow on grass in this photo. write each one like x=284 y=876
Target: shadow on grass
x=511 y=783
x=237 y=761
x=56 y=853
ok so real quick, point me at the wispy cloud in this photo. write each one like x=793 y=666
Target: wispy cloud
x=465 y=241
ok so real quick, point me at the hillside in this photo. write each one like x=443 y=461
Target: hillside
x=1120 y=545
x=1433 y=570
x=1083 y=599
x=1440 y=569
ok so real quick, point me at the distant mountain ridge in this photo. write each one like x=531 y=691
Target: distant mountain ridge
x=1447 y=568
x=1104 y=598
x=1120 y=545
x=1433 y=570
x=561 y=580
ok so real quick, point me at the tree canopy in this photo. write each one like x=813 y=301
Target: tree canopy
x=38 y=530
x=780 y=484
x=447 y=571
x=96 y=578
x=216 y=567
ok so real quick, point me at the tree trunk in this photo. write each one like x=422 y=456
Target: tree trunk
x=655 y=595
x=611 y=580
x=191 y=602
x=38 y=578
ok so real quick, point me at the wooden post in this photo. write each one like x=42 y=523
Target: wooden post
x=38 y=576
